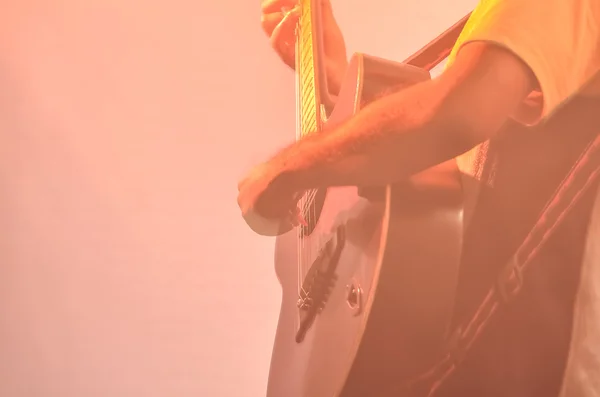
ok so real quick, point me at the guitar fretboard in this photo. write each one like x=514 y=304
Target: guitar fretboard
x=309 y=105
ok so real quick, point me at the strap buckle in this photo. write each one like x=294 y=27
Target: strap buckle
x=509 y=281
x=456 y=349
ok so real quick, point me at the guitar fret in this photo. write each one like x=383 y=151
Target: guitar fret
x=307 y=96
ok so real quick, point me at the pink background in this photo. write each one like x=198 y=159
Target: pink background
x=125 y=270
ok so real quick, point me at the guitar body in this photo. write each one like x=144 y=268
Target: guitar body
x=383 y=267
x=368 y=283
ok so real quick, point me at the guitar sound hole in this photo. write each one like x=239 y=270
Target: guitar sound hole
x=311 y=212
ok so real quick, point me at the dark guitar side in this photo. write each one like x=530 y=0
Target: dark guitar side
x=388 y=310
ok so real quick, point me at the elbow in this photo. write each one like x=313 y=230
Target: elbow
x=463 y=123
x=458 y=135
x=480 y=92
x=452 y=135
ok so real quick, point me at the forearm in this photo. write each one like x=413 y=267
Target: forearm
x=414 y=129
x=390 y=139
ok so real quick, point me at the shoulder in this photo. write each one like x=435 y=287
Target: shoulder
x=483 y=87
x=557 y=40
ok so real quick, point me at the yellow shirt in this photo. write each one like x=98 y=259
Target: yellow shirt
x=558 y=39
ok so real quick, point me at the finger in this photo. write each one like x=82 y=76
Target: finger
x=270 y=6
x=298 y=195
x=286 y=28
x=283 y=37
x=270 y=21
x=296 y=217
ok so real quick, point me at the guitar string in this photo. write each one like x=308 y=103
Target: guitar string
x=306 y=203
x=298 y=136
x=303 y=255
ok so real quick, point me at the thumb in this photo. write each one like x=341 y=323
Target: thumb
x=283 y=38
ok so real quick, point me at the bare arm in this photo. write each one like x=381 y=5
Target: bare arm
x=417 y=128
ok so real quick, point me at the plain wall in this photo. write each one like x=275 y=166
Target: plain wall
x=125 y=269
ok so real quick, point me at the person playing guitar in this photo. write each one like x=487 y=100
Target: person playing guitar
x=532 y=65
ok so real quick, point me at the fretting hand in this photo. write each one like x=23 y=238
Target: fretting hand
x=279 y=18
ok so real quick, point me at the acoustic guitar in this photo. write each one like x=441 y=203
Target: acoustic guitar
x=368 y=282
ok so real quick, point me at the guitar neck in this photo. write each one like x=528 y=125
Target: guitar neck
x=311 y=90
x=313 y=99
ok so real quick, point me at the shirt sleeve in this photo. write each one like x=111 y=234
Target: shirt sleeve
x=558 y=39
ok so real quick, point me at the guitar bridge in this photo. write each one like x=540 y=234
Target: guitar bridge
x=319 y=282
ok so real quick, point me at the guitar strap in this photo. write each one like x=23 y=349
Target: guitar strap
x=509 y=281
x=439 y=48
